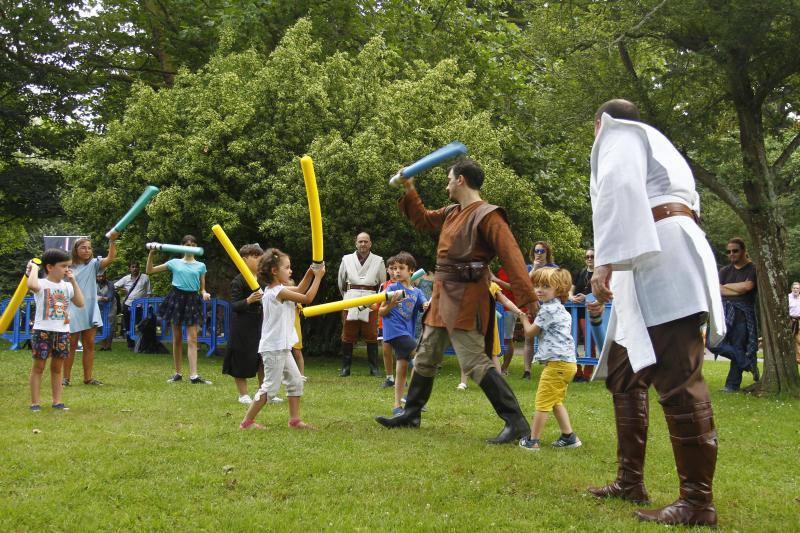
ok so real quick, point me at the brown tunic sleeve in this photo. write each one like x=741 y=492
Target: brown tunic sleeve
x=421 y=218
x=494 y=229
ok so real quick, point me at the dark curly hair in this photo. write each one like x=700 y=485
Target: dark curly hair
x=271 y=259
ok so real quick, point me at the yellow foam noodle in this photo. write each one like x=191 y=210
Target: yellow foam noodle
x=313 y=207
x=15 y=302
x=332 y=307
x=249 y=278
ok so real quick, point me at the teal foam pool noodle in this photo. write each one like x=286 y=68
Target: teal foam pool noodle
x=137 y=208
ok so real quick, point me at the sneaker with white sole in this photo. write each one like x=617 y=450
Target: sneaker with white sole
x=462 y=386
x=245 y=399
x=198 y=380
x=175 y=378
x=564 y=441
x=529 y=444
x=276 y=399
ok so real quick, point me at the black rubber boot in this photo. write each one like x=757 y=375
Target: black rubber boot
x=372 y=358
x=505 y=404
x=418 y=393
x=347 y=359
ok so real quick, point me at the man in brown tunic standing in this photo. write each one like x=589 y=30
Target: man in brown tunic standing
x=471 y=233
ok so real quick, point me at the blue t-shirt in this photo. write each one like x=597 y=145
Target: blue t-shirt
x=402 y=318
x=186 y=274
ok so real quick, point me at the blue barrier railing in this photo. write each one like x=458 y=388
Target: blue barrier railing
x=20 y=329
x=213 y=312
x=578 y=311
x=214 y=328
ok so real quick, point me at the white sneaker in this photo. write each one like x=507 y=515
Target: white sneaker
x=276 y=400
x=462 y=386
x=304 y=378
x=245 y=399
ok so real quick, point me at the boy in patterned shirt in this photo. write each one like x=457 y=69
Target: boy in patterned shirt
x=553 y=326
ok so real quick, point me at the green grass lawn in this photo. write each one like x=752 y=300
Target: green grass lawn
x=139 y=453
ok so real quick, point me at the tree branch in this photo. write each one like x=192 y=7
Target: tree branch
x=710 y=180
x=786 y=154
x=638 y=26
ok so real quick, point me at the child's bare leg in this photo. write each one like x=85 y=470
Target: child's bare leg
x=508 y=355
x=56 y=365
x=36 y=380
x=177 y=347
x=496 y=364
x=297 y=353
x=87 y=338
x=387 y=358
x=400 y=381
x=254 y=409
x=562 y=417
x=191 y=351
x=241 y=385
x=539 y=419
x=294 y=414
x=73 y=347
x=527 y=356
x=260 y=372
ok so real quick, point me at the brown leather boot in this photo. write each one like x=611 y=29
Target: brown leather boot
x=694 y=443
x=631 y=413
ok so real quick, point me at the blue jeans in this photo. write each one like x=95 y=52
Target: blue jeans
x=734 y=347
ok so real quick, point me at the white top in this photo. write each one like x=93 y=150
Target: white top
x=372 y=272
x=277 y=328
x=52 y=305
x=555 y=341
x=141 y=289
x=794 y=306
x=662 y=270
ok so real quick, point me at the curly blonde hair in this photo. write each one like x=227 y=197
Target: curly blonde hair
x=557 y=278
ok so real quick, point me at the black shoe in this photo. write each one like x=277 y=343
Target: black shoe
x=388 y=383
x=347 y=359
x=174 y=378
x=506 y=406
x=526 y=374
x=418 y=393
x=198 y=380
x=372 y=358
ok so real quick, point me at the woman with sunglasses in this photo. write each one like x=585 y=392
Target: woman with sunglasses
x=541 y=255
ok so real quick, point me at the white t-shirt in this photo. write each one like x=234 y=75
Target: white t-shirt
x=277 y=328
x=52 y=305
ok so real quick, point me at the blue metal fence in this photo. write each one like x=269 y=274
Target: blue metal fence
x=577 y=311
x=214 y=330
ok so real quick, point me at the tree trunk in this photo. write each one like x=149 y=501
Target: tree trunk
x=780 y=368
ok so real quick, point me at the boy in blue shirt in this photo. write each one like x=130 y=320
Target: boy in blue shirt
x=400 y=317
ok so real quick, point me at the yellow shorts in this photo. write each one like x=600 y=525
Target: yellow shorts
x=553 y=383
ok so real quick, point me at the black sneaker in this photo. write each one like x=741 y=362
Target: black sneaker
x=176 y=377
x=564 y=442
x=198 y=380
x=526 y=374
x=388 y=383
x=65 y=382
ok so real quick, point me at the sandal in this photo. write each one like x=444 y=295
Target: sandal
x=92 y=382
x=299 y=424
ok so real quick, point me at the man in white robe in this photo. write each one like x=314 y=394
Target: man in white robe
x=361 y=273
x=665 y=286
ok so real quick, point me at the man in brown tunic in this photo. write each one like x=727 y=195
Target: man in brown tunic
x=471 y=233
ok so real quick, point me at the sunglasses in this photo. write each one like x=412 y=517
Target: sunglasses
x=589 y=257
x=539 y=250
x=729 y=252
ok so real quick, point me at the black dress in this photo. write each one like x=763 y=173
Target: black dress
x=242 y=359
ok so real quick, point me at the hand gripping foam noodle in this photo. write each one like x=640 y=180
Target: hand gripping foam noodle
x=175 y=248
x=449 y=151
x=137 y=207
x=248 y=276
x=313 y=207
x=332 y=307
x=16 y=301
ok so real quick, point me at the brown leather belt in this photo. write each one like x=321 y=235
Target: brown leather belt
x=463 y=272
x=363 y=287
x=673 y=209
